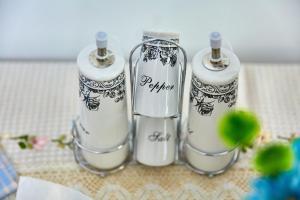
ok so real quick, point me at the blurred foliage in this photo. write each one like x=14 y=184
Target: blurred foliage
x=239 y=128
x=273 y=158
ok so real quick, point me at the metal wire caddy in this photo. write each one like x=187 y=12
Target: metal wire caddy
x=182 y=144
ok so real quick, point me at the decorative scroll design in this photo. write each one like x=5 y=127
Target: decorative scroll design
x=91 y=91
x=214 y=89
x=206 y=96
x=162 y=50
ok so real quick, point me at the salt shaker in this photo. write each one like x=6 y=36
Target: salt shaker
x=213 y=92
x=103 y=122
x=157 y=87
x=156 y=141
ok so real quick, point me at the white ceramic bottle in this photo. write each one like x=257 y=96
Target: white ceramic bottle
x=157 y=99
x=213 y=92
x=103 y=120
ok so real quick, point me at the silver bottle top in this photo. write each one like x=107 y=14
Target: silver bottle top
x=215 y=60
x=101 y=57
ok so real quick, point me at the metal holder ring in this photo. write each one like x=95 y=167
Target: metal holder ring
x=78 y=148
x=233 y=160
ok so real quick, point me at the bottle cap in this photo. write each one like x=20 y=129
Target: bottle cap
x=101 y=40
x=215 y=40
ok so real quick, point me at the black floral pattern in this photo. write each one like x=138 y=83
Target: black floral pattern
x=214 y=89
x=162 y=50
x=92 y=91
x=204 y=101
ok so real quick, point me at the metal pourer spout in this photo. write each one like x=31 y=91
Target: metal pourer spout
x=215 y=60
x=215 y=43
x=102 y=57
x=101 y=42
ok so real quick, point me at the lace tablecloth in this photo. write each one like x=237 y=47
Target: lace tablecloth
x=41 y=98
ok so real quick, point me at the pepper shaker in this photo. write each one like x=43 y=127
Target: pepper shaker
x=157 y=76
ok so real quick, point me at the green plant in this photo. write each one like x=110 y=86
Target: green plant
x=239 y=128
x=273 y=158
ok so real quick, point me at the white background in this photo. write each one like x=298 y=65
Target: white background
x=259 y=30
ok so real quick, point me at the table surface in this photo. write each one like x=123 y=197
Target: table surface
x=40 y=98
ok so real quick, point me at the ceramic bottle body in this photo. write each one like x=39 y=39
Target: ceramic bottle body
x=103 y=120
x=212 y=94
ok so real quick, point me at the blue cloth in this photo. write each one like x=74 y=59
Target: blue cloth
x=8 y=177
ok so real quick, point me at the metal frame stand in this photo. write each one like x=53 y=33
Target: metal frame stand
x=181 y=146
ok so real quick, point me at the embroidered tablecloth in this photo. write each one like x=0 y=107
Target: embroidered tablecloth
x=41 y=98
